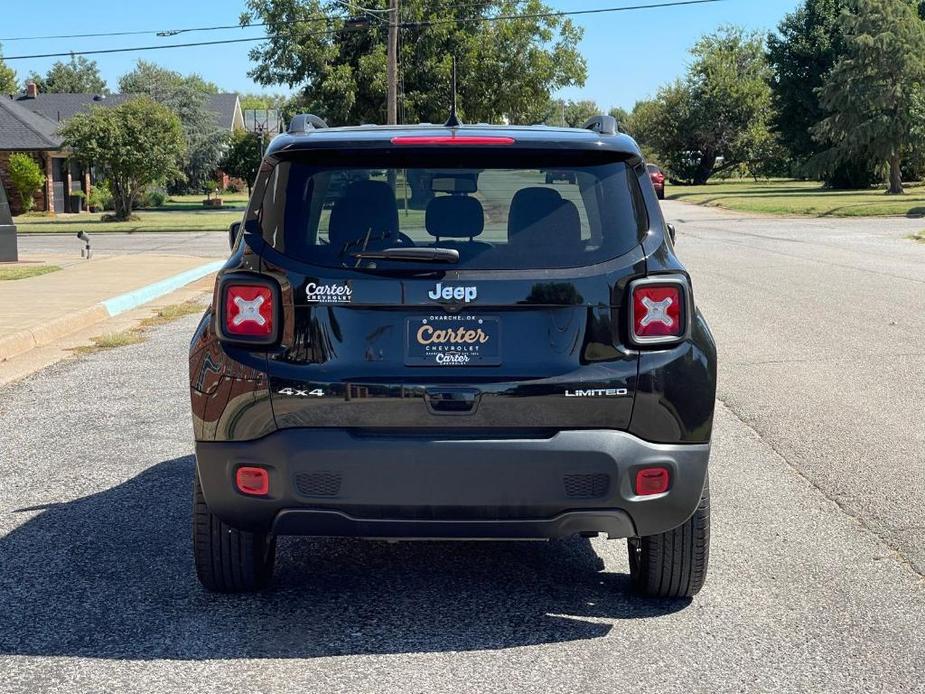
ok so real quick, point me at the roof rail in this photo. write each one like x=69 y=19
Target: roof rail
x=605 y=125
x=305 y=122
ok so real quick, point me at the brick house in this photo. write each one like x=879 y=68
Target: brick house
x=21 y=130
x=29 y=123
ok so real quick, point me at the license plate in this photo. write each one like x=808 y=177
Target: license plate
x=453 y=340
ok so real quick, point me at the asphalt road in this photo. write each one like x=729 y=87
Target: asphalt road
x=203 y=243
x=816 y=569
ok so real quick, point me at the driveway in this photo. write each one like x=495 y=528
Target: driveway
x=816 y=570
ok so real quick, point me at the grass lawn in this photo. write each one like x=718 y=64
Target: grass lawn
x=24 y=271
x=801 y=198
x=179 y=213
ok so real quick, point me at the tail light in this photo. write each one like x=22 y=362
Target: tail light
x=659 y=310
x=248 y=310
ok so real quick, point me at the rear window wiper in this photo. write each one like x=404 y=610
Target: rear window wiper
x=414 y=255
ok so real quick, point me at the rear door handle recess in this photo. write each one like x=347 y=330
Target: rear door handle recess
x=452 y=401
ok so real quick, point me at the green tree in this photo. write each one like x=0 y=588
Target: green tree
x=875 y=94
x=77 y=76
x=621 y=115
x=8 y=81
x=133 y=145
x=242 y=160
x=715 y=119
x=263 y=101
x=187 y=97
x=506 y=68
x=27 y=178
x=801 y=54
x=578 y=112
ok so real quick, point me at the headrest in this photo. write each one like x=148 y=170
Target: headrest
x=559 y=227
x=529 y=206
x=365 y=206
x=454 y=217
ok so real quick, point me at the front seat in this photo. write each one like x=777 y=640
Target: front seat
x=367 y=208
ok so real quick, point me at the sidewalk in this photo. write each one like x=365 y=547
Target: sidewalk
x=39 y=310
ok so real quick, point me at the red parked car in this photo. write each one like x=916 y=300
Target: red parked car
x=658 y=180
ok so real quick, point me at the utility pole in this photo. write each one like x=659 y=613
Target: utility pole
x=392 y=65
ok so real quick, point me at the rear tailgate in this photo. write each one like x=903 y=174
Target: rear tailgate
x=504 y=352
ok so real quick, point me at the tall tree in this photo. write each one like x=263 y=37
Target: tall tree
x=242 y=160
x=720 y=109
x=77 y=76
x=134 y=145
x=507 y=69
x=8 y=81
x=875 y=94
x=620 y=114
x=801 y=54
x=187 y=97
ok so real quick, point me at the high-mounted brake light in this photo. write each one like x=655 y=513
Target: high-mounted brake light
x=659 y=310
x=451 y=140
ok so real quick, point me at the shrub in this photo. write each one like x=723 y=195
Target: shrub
x=27 y=178
x=100 y=196
x=153 y=198
x=235 y=185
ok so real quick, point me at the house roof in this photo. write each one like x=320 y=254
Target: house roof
x=60 y=107
x=21 y=129
x=224 y=106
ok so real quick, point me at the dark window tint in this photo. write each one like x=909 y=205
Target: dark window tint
x=497 y=218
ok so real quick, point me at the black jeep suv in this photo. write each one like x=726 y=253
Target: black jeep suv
x=517 y=360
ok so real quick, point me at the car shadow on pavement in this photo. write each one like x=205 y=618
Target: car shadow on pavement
x=110 y=576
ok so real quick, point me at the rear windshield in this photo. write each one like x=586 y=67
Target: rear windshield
x=496 y=218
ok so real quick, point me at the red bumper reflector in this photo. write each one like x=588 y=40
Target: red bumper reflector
x=451 y=140
x=652 y=480
x=252 y=480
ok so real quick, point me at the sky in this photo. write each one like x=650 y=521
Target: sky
x=629 y=54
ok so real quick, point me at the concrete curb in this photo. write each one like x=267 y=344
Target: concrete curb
x=24 y=340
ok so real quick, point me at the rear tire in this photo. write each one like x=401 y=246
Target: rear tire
x=228 y=560
x=674 y=564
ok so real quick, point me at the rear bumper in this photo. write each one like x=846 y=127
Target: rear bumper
x=333 y=482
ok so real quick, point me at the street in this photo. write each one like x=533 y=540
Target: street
x=818 y=537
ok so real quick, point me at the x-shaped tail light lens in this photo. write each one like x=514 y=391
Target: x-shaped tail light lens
x=248 y=310
x=659 y=310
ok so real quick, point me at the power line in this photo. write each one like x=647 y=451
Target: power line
x=353 y=27
x=370 y=11
x=554 y=13
x=167 y=32
x=134 y=49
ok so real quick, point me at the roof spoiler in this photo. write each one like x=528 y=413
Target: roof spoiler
x=605 y=125
x=304 y=122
